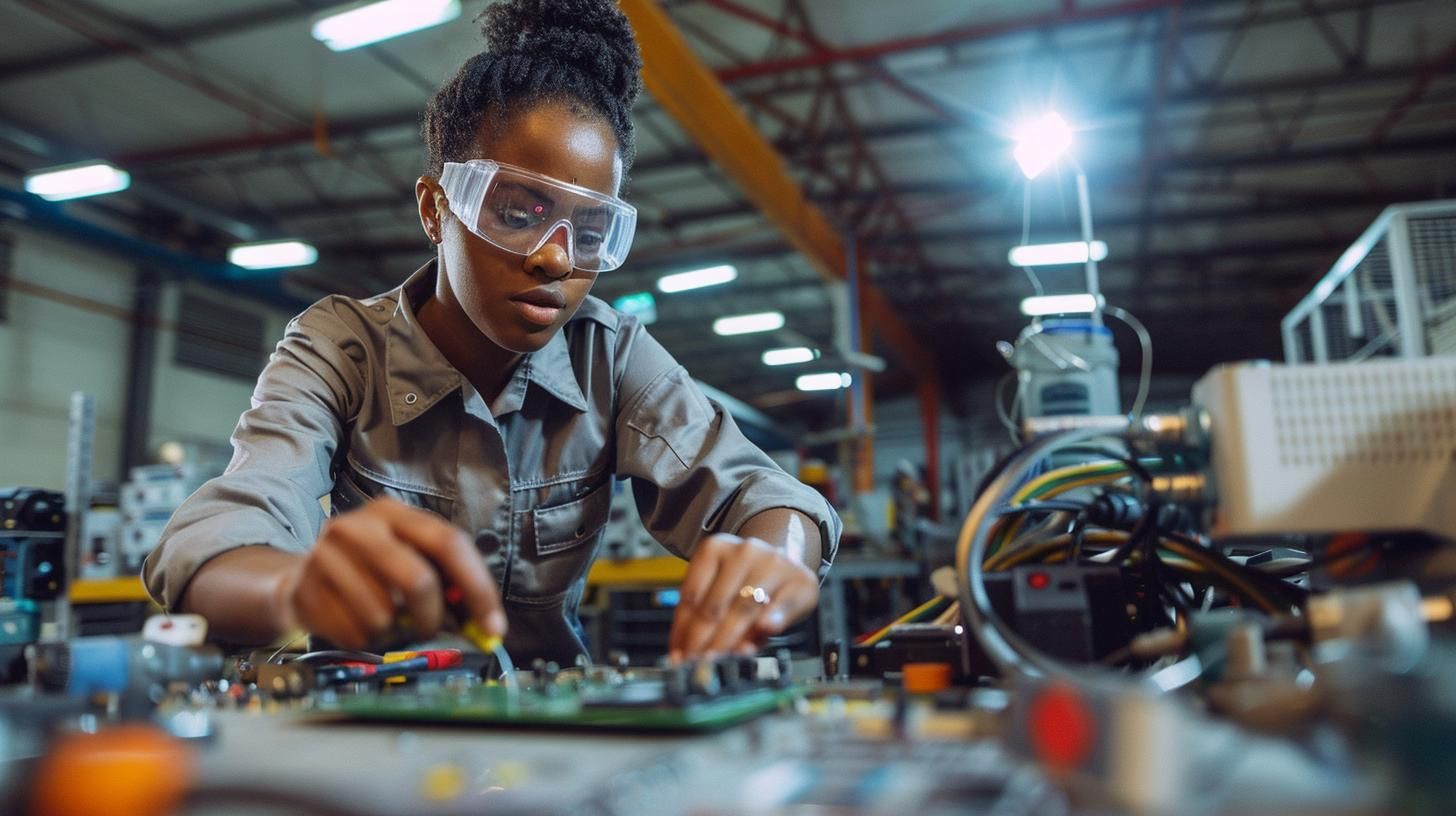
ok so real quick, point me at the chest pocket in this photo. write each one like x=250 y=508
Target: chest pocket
x=569 y=525
x=557 y=544
x=353 y=487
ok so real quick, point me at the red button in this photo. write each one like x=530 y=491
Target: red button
x=1038 y=580
x=1062 y=727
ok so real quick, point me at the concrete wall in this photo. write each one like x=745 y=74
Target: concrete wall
x=54 y=343
x=68 y=328
x=193 y=405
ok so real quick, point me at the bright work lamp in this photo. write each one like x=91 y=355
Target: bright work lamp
x=80 y=180
x=1040 y=142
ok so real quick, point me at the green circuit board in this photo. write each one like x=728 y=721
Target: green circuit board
x=562 y=707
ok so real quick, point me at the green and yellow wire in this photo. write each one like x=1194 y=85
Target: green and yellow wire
x=1050 y=484
x=909 y=617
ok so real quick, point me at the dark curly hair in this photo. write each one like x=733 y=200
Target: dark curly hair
x=580 y=52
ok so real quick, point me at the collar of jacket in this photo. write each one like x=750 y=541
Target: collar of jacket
x=419 y=375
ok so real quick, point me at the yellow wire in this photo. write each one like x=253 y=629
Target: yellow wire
x=1233 y=578
x=1087 y=482
x=1032 y=487
x=1015 y=557
x=950 y=614
x=880 y=633
x=1059 y=490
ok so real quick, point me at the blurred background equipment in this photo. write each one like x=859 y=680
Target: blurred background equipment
x=1066 y=367
x=1392 y=293
x=32 y=543
x=148 y=499
x=1333 y=448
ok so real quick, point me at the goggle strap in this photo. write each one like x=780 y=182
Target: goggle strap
x=465 y=190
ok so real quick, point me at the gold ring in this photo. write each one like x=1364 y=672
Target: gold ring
x=758 y=595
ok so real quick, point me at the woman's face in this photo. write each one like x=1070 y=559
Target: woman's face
x=520 y=302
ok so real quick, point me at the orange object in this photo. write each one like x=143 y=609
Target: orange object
x=129 y=770
x=1350 y=556
x=925 y=678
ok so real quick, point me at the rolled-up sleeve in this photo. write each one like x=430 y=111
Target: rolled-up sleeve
x=693 y=472
x=283 y=449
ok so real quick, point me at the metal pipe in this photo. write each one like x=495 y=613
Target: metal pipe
x=78 y=500
x=1084 y=210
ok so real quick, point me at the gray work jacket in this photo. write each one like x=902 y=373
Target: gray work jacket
x=356 y=402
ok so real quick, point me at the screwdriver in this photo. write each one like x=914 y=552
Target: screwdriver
x=470 y=630
x=455 y=605
x=478 y=637
x=464 y=624
x=460 y=621
x=458 y=611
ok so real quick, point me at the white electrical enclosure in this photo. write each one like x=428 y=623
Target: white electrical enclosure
x=1333 y=448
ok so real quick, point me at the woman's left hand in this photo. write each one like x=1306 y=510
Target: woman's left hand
x=738 y=592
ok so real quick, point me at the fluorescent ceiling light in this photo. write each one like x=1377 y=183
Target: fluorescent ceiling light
x=641 y=305
x=1072 y=252
x=272 y=254
x=824 y=382
x=361 y=24
x=1059 y=304
x=79 y=180
x=1040 y=142
x=696 y=279
x=789 y=356
x=749 y=323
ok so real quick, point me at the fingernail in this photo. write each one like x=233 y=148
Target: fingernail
x=674 y=656
x=496 y=622
x=776 y=618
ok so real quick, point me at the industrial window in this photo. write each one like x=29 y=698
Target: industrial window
x=219 y=338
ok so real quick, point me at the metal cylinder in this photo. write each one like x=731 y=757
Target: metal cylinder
x=1181 y=488
x=1247 y=658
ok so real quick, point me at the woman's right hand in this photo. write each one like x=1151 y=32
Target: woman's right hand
x=385 y=557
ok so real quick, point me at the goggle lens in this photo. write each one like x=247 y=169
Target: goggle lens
x=519 y=211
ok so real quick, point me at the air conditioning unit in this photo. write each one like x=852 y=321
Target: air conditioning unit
x=1391 y=294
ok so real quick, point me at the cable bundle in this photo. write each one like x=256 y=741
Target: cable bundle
x=1100 y=512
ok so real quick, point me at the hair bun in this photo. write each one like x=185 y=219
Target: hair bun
x=592 y=36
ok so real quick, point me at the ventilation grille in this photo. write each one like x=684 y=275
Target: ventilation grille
x=219 y=338
x=1353 y=317
x=1366 y=328
x=1433 y=248
x=1368 y=414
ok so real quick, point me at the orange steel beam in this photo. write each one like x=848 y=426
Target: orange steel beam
x=689 y=90
x=864 y=470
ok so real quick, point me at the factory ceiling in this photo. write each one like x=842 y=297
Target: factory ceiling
x=1233 y=149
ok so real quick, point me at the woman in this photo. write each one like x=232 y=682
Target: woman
x=467 y=425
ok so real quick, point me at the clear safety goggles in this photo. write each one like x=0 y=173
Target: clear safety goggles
x=518 y=211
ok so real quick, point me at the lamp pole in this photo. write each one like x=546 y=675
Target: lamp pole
x=1084 y=208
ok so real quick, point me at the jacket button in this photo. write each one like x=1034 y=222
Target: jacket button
x=410 y=398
